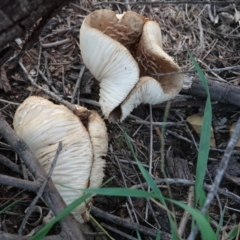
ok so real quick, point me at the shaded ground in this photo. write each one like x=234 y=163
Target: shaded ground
x=212 y=35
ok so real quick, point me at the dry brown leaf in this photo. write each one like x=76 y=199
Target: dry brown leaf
x=196 y=122
x=4 y=82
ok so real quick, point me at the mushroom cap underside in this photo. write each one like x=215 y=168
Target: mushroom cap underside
x=149 y=59
x=111 y=64
x=42 y=125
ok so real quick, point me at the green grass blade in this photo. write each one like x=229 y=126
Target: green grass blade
x=138 y=236
x=204 y=226
x=10 y=206
x=145 y=173
x=42 y=233
x=158 y=237
x=220 y=224
x=154 y=187
x=234 y=232
x=98 y=225
x=122 y=192
x=204 y=140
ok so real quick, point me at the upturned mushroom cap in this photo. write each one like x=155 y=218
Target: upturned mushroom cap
x=147 y=90
x=42 y=125
x=152 y=88
x=101 y=37
x=139 y=37
x=99 y=138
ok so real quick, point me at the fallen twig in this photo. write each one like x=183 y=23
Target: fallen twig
x=186 y=215
x=131 y=225
x=49 y=93
x=219 y=91
x=40 y=192
x=19 y=183
x=14 y=167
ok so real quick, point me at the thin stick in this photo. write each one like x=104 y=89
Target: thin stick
x=39 y=61
x=186 y=182
x=150 y=155
x=51 y=94
x=140 y=127
x=77 y=85
x=128 y=7
x=46 y=67
x=7 y=162
x=40 y=192
x=159 y=123
x=220 y=173
x=54 y=44
x=126 y=236
x=9 y=102
x=186 y=214
x=125 y=184
x=130 y=225
x=47 y=81
x=19 y=183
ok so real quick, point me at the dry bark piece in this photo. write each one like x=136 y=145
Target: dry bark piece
x=124 y=52
x=219 y=91
x=42 y=125
x=19 y=16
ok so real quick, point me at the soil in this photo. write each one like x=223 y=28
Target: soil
x=212 y=35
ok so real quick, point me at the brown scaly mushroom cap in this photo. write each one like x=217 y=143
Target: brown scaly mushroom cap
x=124 y=52
x=42 y=125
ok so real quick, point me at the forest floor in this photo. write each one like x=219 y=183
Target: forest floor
x=212 y=34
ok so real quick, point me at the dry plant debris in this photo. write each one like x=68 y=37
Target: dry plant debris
x=211 y=33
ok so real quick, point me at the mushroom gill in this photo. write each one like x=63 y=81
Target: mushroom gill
x=121 y=49
x=42 y=125
x=107 y=59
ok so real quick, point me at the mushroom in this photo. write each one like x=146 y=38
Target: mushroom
x=101 y=36
x=124 y=52
x=43 y=124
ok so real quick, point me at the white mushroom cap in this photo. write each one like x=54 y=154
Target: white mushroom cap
x=107 y=59
x=99 y=138
x=101 y=33
x=151 y=88
x=147 y=90
x=153 y=60
x=42 y=125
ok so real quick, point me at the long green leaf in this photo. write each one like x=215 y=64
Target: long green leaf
x=234 y=232
x=154 y=187
x=204 y=140
x=42 y=233
x=204 y=226
x=10 y=206
x=122 y=192
x=138 y=236
x=158 y=237
x=145 y=174
x=220 y=224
